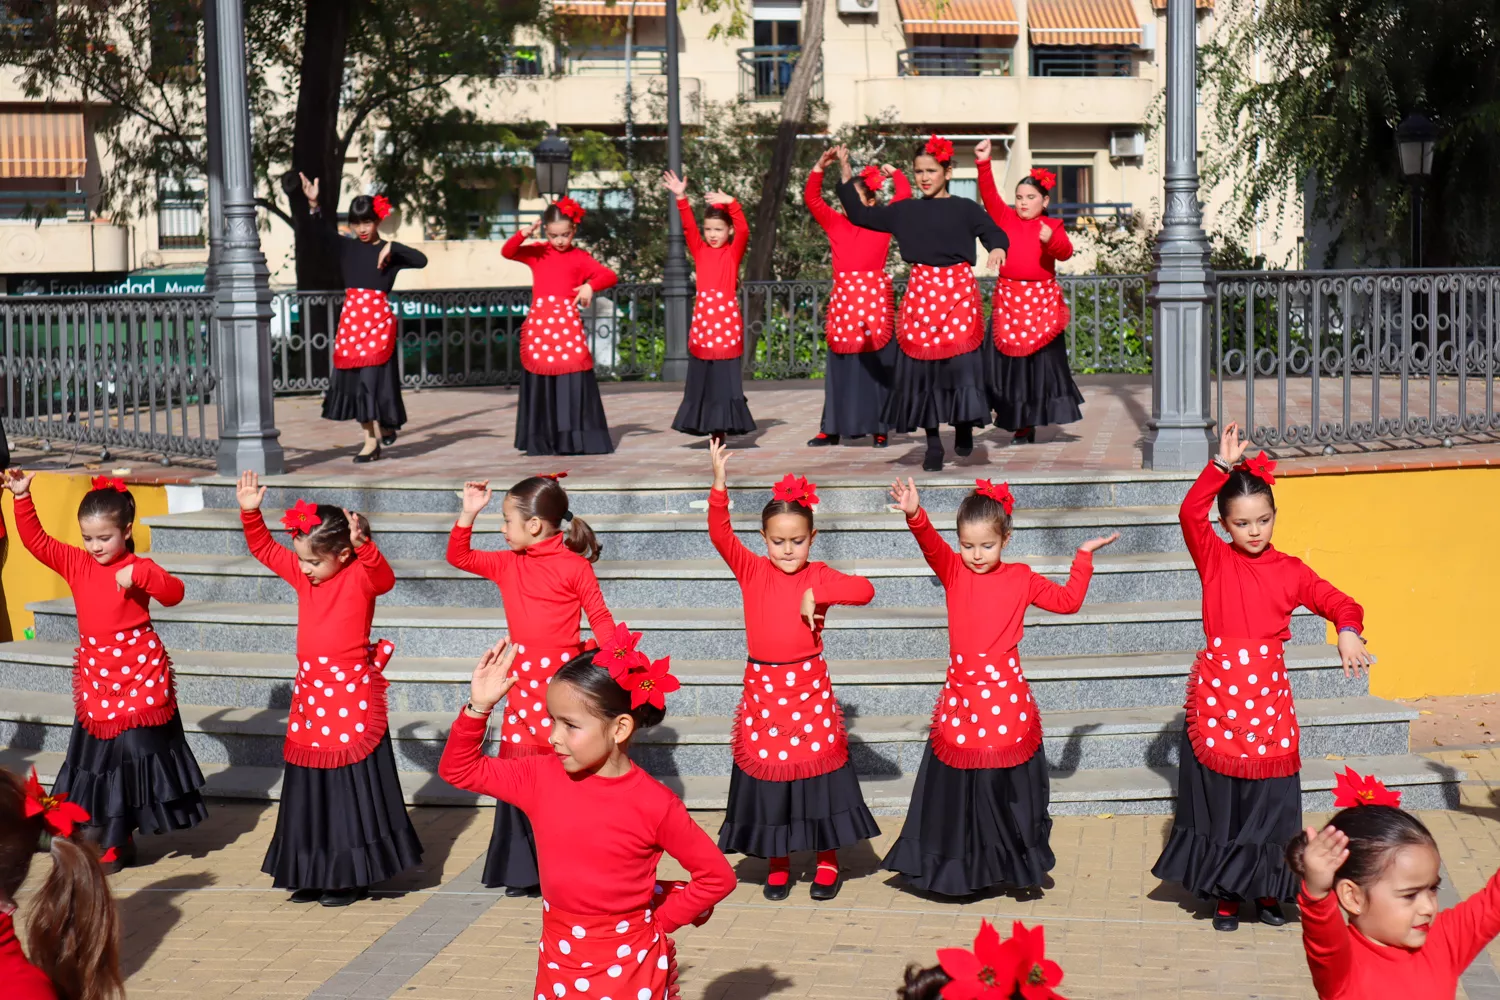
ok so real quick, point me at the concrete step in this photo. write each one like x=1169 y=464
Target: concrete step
x=699 y=745
x=872 y=535
x=939 y=493
x=1424 y=784
x=688 y=633
x=709 y=687
x=682 y=583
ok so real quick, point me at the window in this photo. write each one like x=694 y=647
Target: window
x=1075 y=184
x=964 y=187
x=501 y=222
x=180 y=209
x=174 y=38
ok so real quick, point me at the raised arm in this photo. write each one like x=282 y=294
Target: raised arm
x=900 y=187
x=465 y=765
x=721 y=533
x=741 y=229
x=470 y=560
x=812 y=197
x=270 y=553
x=57 y=556
x=935 y=549
x=712 y=878
x=382 y=577
x=596 y=275
x=586 y=586
x=876 y=217
x=1325 y=939
x=1464 y=931
x=689 y=227
x=1064 y=599
x=515 y=248
x=990 y=195
x=157 y=583
x=1203 y=544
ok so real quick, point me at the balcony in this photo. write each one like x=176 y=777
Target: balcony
x=62 y=246
x=180 y=223
x=1100 y=214
x=932 y=60
x=71 y=206
x=525 y=61
x=1082 y=61
x=645 y=60
x=766 y=72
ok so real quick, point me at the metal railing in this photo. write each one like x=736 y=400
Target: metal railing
x=522 y=61
x=1323 y=358
x=181 y=224
x=1110 y=214
x=766 y=72
x=1046 y=61
x=31 y=205
x=646 y=60
x=933 y=60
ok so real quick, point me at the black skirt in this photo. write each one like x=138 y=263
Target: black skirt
x=1229 y=837
x=929 y=393
x=366 y=394
x=511 y=860
x=342 y=827
x=855 y=388
x=968 y=830
x=562 y=415
x=713 y=400
x=1033 y=391
x=771 y=819
x=145 y=779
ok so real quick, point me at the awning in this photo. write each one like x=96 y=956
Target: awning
x=1082 y=22
x=959 y=17
x=599 y=8
x=42 y=144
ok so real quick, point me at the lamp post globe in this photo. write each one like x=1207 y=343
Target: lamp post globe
x=1416 y=137
x=552 y=158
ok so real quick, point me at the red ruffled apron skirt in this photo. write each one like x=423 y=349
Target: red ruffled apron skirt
x=525 y=726
x=942 y=315
x=338 y=713
x=861 y=313
x=718 y=331
x=122 y=682
x=552 y=338
x=623 y=956
x=367 y=330
x=1240 y=715
x=985 y=716
x=788 y=724
x=1028 y=315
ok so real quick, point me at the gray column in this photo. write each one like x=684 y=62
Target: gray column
x=1180 y=434
x=675 y=288
x=242 y=313
x=215 y=141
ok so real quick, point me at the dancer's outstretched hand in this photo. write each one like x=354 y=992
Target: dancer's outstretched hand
x=904 y=495
x=1094 y=544
x=1356 y=658
x=18 y=481
x=718 y=454
x=982 y=151
x=996 y=260
x=1231 y=448
x=248 y=491
x=675 y=184
x=492 y=678
x=359 y=528
x=829 y=155
x=1326 y=851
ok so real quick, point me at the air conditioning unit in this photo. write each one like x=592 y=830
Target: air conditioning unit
x=859 y=7
x=1127 y=144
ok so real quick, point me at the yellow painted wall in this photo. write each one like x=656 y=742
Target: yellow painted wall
x=57 y=495
x=1420 y=552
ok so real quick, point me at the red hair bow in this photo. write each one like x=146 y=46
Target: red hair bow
x=107 y=483
x=1046 y=178
x=618 y=655
x=554 y=476
x=873 y=179
x=57 y=813
x=1001 y=971
x=650 y=683
x=1353 y=789
x=939 y=149
x=1000 y=494
x=1262 y=467
x=795 y=489
x=570 y=208
x=301 y=518
x=382 y=206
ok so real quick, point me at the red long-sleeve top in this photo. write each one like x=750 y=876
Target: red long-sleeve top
x=1346 y=965
x=558 y=272
x=987 y=611
x=598 y=840
x=774 y=629
x=102 y=607
x=333 y=618
x=1253 y=596
x=23 y=981
x=854 y=248
x=542 y=588
x=1028 y=259
x=716 y=268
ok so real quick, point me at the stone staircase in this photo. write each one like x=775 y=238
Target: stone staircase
x=1109 y=680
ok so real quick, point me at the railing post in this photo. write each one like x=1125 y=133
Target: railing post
x=242 y=315
x=675 y=290
x=1179 y=434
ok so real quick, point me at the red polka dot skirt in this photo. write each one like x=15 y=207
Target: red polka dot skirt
x=525 y=726
x=718 y=331
x=367 y=330
x=1028 y=315
x=861 y=312
x=1240 y=715
x=788 y=724
x=617 y=956
x=552 y=338
x=121 y=681
x=338 y=712
x=985 y=715
x=942 y=315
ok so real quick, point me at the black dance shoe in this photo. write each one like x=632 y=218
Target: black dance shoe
x=776 y=893
x=388 y=436
x=372 y=456
x=306 y=896
x=1227 y=919
x=932 y=460
x=823 y=440
x=963 y=440
x=1026 y=435
x=343 y=897
x=517 y=891
x=823 y=893
x=881 y=442
x=1268 y=911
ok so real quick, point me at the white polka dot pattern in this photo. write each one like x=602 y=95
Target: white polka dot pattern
x=1240 y=714
x=121 y=681
x=788 y=724
x=525 y=724
x=615 y=956
x=338 y=712
x=942 y=315
x=552 y=338
x=985 y=715
x=861 y=312
x=367 y=330
x=1028 y=315
x=718 y=331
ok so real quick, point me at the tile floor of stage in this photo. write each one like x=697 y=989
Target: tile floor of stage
x=201 y=922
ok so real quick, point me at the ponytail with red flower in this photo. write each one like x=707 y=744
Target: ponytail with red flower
x=301 y=518
x=872 y=178
x=1354 y=789
x=1262 y=467
x=939 y=149
x=795 y=489
x=108 y=483
x=58 y=815
x=648 y=681
x=996 y=970
x=570 y=209
x=1000 y=494
x=1045 y=178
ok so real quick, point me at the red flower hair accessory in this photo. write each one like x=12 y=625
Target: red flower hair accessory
x=873 y=179
x=618 y=655
x=1262 y=467
x=795 y=489
x=1353 y=789
x=1046 y=178
x=107 y=483
x=986 y=973
x=1036 y=974
x=554 y=476
x=649 y=684
x=382 y=206
x=571 y=209
x=939 y=149
x=1000 y=494
x=301 y=518
x=57 y=813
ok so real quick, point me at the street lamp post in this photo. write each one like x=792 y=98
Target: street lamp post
x=675 y=291
x=553 y=159
x=1416 y=137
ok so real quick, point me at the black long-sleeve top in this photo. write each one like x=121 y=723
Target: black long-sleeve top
x=939 y=232
x=357 y=260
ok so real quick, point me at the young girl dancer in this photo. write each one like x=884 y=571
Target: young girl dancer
x=1239 y=795
x=939 y=377
x=978 y=815
x=713 y=402
x=1027 y=372
x=365 y=384
x=560 y=411
x=73 y=934
x=342 y=826
x=128 y=762
x=1016 y=969
x=602 y=824
x=792 y=787
x=545 y=578
x=1380 y=866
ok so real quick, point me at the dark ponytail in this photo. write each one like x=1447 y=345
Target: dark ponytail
x=605 y=695
x=1243 y=483
x=543 y=497
x=1375 y=834
x=923 y=984
x=332 y=534
x=113 y=505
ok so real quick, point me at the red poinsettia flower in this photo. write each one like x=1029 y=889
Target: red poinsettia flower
x=650 y=684
x=59 y=815
x=301 y=518
x=873 y=179
x=1000 y=494
x=1035 y=973
x=107 y=483
x=1046 y=178
x=618 y=655
x=1262 y=466
x=986 y=973
x=571 y=209
x=939 y=149
x=1354 y=789
x=796 y=489
x=382 y=206
x=554 y=476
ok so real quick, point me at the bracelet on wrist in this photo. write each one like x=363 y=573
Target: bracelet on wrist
x=478 y=711
x=1222 y=465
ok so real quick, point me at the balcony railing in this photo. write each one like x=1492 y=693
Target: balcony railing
x=44 y=205
x=1082 y=62
x=766 y=72
x=525 y=61
x=1110 y=214
x=179 y=224
x=645 y=60
x=932 y=60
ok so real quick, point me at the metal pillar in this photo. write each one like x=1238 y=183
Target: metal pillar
x=1180 y=434
x=215 y=144
x=242 y=313
x=675 y=288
